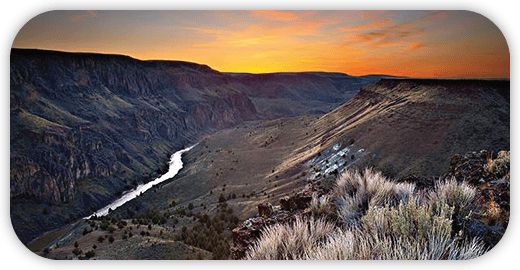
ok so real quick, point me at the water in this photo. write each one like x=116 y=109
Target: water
x=175 y=167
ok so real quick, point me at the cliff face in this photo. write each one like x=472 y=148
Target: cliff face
x=85 y=115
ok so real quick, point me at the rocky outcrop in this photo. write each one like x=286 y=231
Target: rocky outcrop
x=291 y=207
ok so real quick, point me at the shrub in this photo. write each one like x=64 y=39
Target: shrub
x=500 y=165
x=111 y=239
x=111 y=229
x=409 y=221
x=221 y=198
x=461 y=196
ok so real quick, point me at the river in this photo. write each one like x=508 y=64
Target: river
x=175 y=167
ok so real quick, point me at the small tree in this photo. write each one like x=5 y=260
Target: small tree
x=90 y=254
x=221 y=198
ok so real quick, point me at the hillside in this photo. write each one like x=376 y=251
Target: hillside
x=85 y=127
x=412 y=126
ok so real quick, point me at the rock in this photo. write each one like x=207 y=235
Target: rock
x=265 y=209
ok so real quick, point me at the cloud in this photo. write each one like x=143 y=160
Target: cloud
x=415 y=47
x=368 y=26
x=380 y=38
x=82 y=16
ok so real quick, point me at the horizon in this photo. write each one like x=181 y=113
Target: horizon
x=415 y=44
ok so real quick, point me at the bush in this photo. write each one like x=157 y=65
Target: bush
x=499 y=166
x=111 y=229
x=461 y=196
x=221 y=198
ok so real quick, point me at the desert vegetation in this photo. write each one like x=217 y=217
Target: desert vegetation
x=367 y=216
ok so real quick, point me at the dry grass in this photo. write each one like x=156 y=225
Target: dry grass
x=290 y=241
x=320 y=205
x=382 y=220
x=356 y=192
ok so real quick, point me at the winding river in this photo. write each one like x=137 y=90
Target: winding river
x=175 y=167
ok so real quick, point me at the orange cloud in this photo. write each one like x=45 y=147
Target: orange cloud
x=415 y=47
x=80 y=17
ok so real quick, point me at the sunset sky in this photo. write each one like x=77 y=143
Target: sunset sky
x=401 y=43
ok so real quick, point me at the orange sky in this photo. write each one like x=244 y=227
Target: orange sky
x=401 y=43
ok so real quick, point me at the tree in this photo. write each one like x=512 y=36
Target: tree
x=90 y=254
x=221 y=198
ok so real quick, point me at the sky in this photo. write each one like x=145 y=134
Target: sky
x=444 y=44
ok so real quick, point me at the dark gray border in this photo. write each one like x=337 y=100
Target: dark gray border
x=45 y=5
